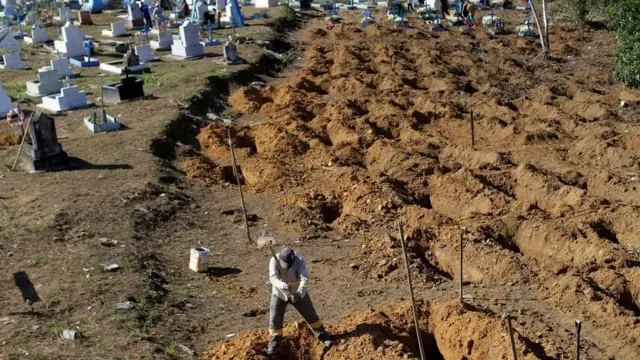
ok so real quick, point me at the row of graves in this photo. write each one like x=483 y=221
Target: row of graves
x=457 y=16
x=40 y=149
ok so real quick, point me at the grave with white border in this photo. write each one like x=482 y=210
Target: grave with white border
x=12 y=61
x=188 y=46
x=48 y=83
x=117 y=29
x=134 y=19
x=70 y=98
x=38 y=36
x=72 y=44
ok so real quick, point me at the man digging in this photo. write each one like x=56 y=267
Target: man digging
x=289 y=280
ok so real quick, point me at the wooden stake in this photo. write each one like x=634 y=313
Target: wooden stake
x=413 y=299
x=473 y=132
x=535 y=16
x=546 y=29
x=578 y=328
x=24 y=136
x=513 y=343
x=461 y=277
x=235 y=173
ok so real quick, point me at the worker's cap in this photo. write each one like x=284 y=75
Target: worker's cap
x=287 y=257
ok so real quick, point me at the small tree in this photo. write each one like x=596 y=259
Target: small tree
x=624 y=18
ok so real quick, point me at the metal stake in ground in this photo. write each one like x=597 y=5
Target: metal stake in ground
x=235 y=173
x=578 y=328
x=473 y=132
x=513 y=343
x=413 y=299
x=24 y=136
x=461 y=277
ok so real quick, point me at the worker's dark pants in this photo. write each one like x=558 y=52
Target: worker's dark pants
x=149 y=23
x=304 y=307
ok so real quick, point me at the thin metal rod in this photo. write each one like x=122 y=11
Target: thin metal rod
x=24 y=136
x=473 y=132
x=513 y=342
x=578 y=328
x=461 y=277
x=235 y=173
x=413 y=299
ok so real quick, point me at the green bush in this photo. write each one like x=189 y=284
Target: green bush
x=624 y=19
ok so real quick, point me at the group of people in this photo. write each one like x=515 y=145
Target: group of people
x=467 y=8
x=207 y=17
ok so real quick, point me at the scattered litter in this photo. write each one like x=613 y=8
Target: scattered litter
x=111 y=267
x=185 y=349
x=108 y=242
x=633 y=250
x=71 y=334
x=230 y=335
x=623 y=104
x=127 y=305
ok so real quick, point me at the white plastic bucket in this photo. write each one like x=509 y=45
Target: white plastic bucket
x=199 y=260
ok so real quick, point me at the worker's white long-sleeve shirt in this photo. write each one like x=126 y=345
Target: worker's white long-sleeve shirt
x=297 y=278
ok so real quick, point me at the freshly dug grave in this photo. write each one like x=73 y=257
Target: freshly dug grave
x=449 y=331
x=374 y=128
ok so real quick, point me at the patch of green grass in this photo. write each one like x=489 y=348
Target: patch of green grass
x=16 y=89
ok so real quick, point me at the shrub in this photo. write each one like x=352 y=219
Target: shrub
x=624 y=16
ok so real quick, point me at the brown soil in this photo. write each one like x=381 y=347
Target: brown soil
x=451 y=331
x=374 y=127
x=9 y=139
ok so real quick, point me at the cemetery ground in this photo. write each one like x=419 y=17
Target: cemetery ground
x=368 y=127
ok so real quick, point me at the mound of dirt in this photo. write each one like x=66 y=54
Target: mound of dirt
x=374 y=127
x=9 y=139
x=449 y=331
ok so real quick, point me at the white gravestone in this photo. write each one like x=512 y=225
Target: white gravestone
x=164 y=42
x=70 y=97
x=133 y=11
x=64 y=14
x=38 y=35
x=189 y=44
x=201 y=9
x=30 y=19
x=47 y=83
x=7 y=40
x=117 y=29
x=145 y=54
x=61 y=66
x=12 y=61
x=72 y=45
x=5 y=102
x=230 y=52
x=263 y=4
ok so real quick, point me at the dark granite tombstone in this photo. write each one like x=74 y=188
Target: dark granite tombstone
x=129 y=88
x=41 y=150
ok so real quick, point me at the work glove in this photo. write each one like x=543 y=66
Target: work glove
x=281 y=285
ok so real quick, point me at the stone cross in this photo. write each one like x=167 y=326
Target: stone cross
x=89 y=47
x=210 y=27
